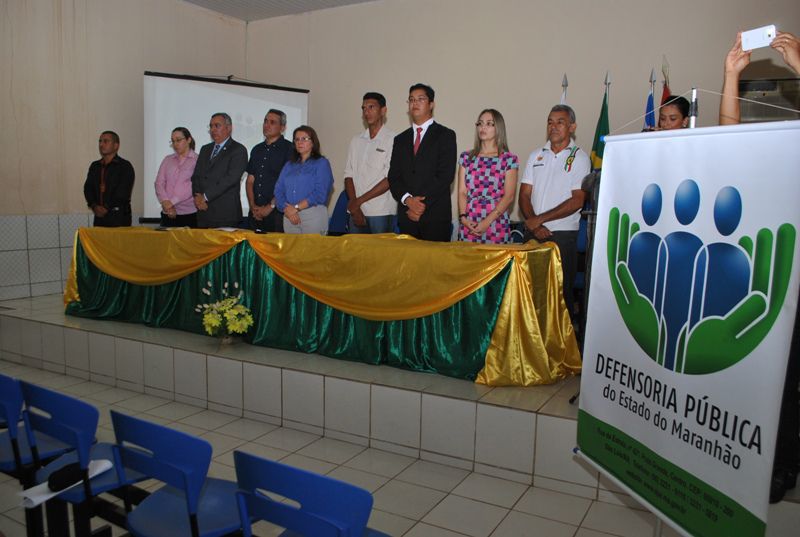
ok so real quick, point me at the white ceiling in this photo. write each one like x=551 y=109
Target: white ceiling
x=253 y=10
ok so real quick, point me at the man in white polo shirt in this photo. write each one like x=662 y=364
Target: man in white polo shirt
x=372 y=208
x=550 y=195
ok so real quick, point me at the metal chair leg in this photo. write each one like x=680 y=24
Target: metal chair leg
x=34 y=523
x=57 y=514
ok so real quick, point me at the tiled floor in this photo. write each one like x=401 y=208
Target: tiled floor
x=414 y=498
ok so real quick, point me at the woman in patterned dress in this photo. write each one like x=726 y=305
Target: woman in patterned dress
x=487 y=183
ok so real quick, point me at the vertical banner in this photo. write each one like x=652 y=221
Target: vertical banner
x=691 y=308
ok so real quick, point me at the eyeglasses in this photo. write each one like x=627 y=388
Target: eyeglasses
x=302 y=139
x=176 y=141
x=215 y=126
x=414 y=100
x=484 y=124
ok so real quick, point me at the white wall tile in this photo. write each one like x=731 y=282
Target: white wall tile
x=101 y=354
x=14 y=291
x=31 y=339
x=129 y=361
x=391 y=447
x=447 y=460
x=13 y=234
x=555 y=440
x=189 y=400
x=54 y=368
x=302 y=397
x=11 y=357
x=190 y=375
x=448 y=426
x=168 y=395
x=45 y=265
x=14 y=268
x=502 y=473
x=11 y=334
x=76 y=349
x=47 y=288
x=102 y=379
x=347 y=406
x=68 y=224
x=305 y=427
x=159 y=367
x=225 y=382
x=395 y=416
x=130 y=386
x=257 y=416
x=262 y=390
x=42 y=231
x=77 y=373
x=347 y=437
x=505 y=438
x=225 y=409
x=35 y=363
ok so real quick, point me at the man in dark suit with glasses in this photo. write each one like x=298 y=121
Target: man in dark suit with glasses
x=422 y=169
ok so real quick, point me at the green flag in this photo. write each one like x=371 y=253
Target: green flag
x=602 y=129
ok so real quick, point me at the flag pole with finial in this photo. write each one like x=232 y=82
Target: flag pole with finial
x=564 y=85
x=602 y=129
x=649 y=110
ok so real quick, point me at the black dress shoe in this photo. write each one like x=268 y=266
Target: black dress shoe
x=783 y=479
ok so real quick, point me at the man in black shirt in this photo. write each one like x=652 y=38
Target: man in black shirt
x=109 y=184
x=266 y=161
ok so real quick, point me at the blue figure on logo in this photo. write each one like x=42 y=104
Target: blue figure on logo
x=647 y=268
x=722 y=274
x=680 y=249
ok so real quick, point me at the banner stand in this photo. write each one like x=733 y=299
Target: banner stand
x=690 y=318
x=660 y=517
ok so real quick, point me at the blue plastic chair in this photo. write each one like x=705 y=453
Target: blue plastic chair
x=22 y=449
x=189 y=503
x=19 y=450
x=339 y=222
x=10 y=412
x=73 y=422
x=327 y=507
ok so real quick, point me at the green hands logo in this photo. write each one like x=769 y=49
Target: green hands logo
x=697 y=308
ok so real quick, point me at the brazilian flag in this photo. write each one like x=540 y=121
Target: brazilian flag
x=600 y=132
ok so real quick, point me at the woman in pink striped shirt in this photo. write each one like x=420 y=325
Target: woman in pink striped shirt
x=174 y=182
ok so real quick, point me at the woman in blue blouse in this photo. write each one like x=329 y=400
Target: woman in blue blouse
x=304 y=185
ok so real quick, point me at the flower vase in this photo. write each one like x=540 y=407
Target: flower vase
x=227 y=339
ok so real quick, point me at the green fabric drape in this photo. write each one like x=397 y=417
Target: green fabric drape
x=452 y=342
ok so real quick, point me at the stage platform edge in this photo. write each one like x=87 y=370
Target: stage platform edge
x=521 y=434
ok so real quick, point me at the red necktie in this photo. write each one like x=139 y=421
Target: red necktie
x=103 y=181
x=418 y=140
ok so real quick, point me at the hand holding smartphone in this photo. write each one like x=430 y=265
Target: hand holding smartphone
x=758 y=37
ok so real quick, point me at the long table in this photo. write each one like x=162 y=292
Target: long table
x=491 y=314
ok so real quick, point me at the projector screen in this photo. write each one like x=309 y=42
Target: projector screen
x=185 y=101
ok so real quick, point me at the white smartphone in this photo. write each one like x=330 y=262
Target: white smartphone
x=758 y=37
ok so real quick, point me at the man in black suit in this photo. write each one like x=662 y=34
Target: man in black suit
x=217 y=176
x=422 y=169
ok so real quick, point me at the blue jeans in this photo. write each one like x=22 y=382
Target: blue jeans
x=375 y=224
